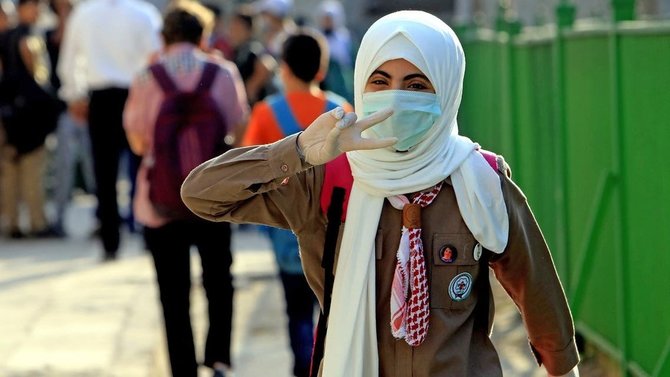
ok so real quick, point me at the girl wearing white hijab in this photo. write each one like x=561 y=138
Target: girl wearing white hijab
x=428 y=213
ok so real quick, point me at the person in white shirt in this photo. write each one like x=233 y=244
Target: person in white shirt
x=106 y=43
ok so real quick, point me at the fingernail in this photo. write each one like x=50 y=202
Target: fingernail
x=338 y=113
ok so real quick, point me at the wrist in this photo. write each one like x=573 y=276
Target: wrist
x=299 y=149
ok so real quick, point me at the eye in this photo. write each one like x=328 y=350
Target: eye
x=420 y=85
x=417 y=86
x=378 y=81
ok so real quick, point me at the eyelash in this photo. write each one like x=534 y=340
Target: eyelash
x=412 y=85
x=378 y=82
x=417 y=85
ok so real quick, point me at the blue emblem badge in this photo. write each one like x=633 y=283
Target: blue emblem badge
x=460 y=286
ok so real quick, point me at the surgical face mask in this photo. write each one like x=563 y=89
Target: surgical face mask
x=414 y=113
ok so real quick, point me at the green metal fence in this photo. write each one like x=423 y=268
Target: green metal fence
x=582 y=114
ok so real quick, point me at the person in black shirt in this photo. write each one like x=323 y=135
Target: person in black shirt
x=255 y=64
x=29 y=112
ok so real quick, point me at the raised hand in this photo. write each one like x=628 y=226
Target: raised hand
x=335 y=132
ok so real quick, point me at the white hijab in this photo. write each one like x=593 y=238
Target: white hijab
x=429 y=44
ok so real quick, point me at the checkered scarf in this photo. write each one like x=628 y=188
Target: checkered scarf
x=410 y=315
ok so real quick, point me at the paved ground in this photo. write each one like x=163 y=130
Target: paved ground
x=64 y=313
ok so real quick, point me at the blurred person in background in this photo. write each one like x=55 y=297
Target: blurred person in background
x=7 y=19
x=332 y=23
x=218 y=41
x=183 y=67
x=274 y=23
x=74 y=144
x=255 y=64
x=106 y=43
x=29 y=113
x=304 y=60
x=7 y=15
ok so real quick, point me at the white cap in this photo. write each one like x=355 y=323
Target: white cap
x=279 y=8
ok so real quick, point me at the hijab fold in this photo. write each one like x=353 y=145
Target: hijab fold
x=429 y=44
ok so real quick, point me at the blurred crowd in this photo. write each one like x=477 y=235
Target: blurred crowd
x=82 y=87
x=45 y=143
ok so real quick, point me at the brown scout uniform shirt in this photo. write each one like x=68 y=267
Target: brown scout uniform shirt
x=248 y=185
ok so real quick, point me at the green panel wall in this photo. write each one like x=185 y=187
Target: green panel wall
x=645 y=117
x=535 y=131
x=479 y=115
x=589 y=154
x=610 y=130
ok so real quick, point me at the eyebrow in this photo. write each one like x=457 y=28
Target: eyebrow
x=415 y=75
x=380 y=72
x=408 y=77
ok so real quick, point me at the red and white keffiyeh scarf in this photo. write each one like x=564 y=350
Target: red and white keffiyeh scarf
x=410 y=315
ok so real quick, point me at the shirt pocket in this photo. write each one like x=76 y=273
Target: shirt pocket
x=454 y=271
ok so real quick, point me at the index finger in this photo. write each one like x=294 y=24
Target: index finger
x=374 y=118
x=364 y=144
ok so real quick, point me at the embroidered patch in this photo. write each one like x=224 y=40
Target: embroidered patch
x=460 y=286
x=448 y=254
x=477 y=252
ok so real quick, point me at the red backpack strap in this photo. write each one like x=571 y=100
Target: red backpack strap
x=209 y=71
x=490 y=157
x=496 y=162
x=338 y=174
x=162 y=78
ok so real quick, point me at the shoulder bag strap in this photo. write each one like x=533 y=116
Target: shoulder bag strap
x=327 y=262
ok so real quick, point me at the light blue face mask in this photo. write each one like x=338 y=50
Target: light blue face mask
x=414 y=113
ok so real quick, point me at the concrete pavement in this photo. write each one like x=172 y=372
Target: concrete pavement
x=64 y=313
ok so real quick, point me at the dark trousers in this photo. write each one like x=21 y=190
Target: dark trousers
x=300 y=304
x=108 y=142
x=170 y=247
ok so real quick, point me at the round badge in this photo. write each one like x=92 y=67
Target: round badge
x=448 y=254
x=477 y=252
x=460 y=286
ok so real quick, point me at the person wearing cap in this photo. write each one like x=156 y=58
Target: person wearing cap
x=275 y=23
x=332 y=22
x=426 y=215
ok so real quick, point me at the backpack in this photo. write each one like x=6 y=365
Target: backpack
x=284 y=115
x=189 y=130
x=284 y=242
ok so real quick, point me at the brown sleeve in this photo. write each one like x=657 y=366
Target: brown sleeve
x=266 y=184
x=526 y=271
